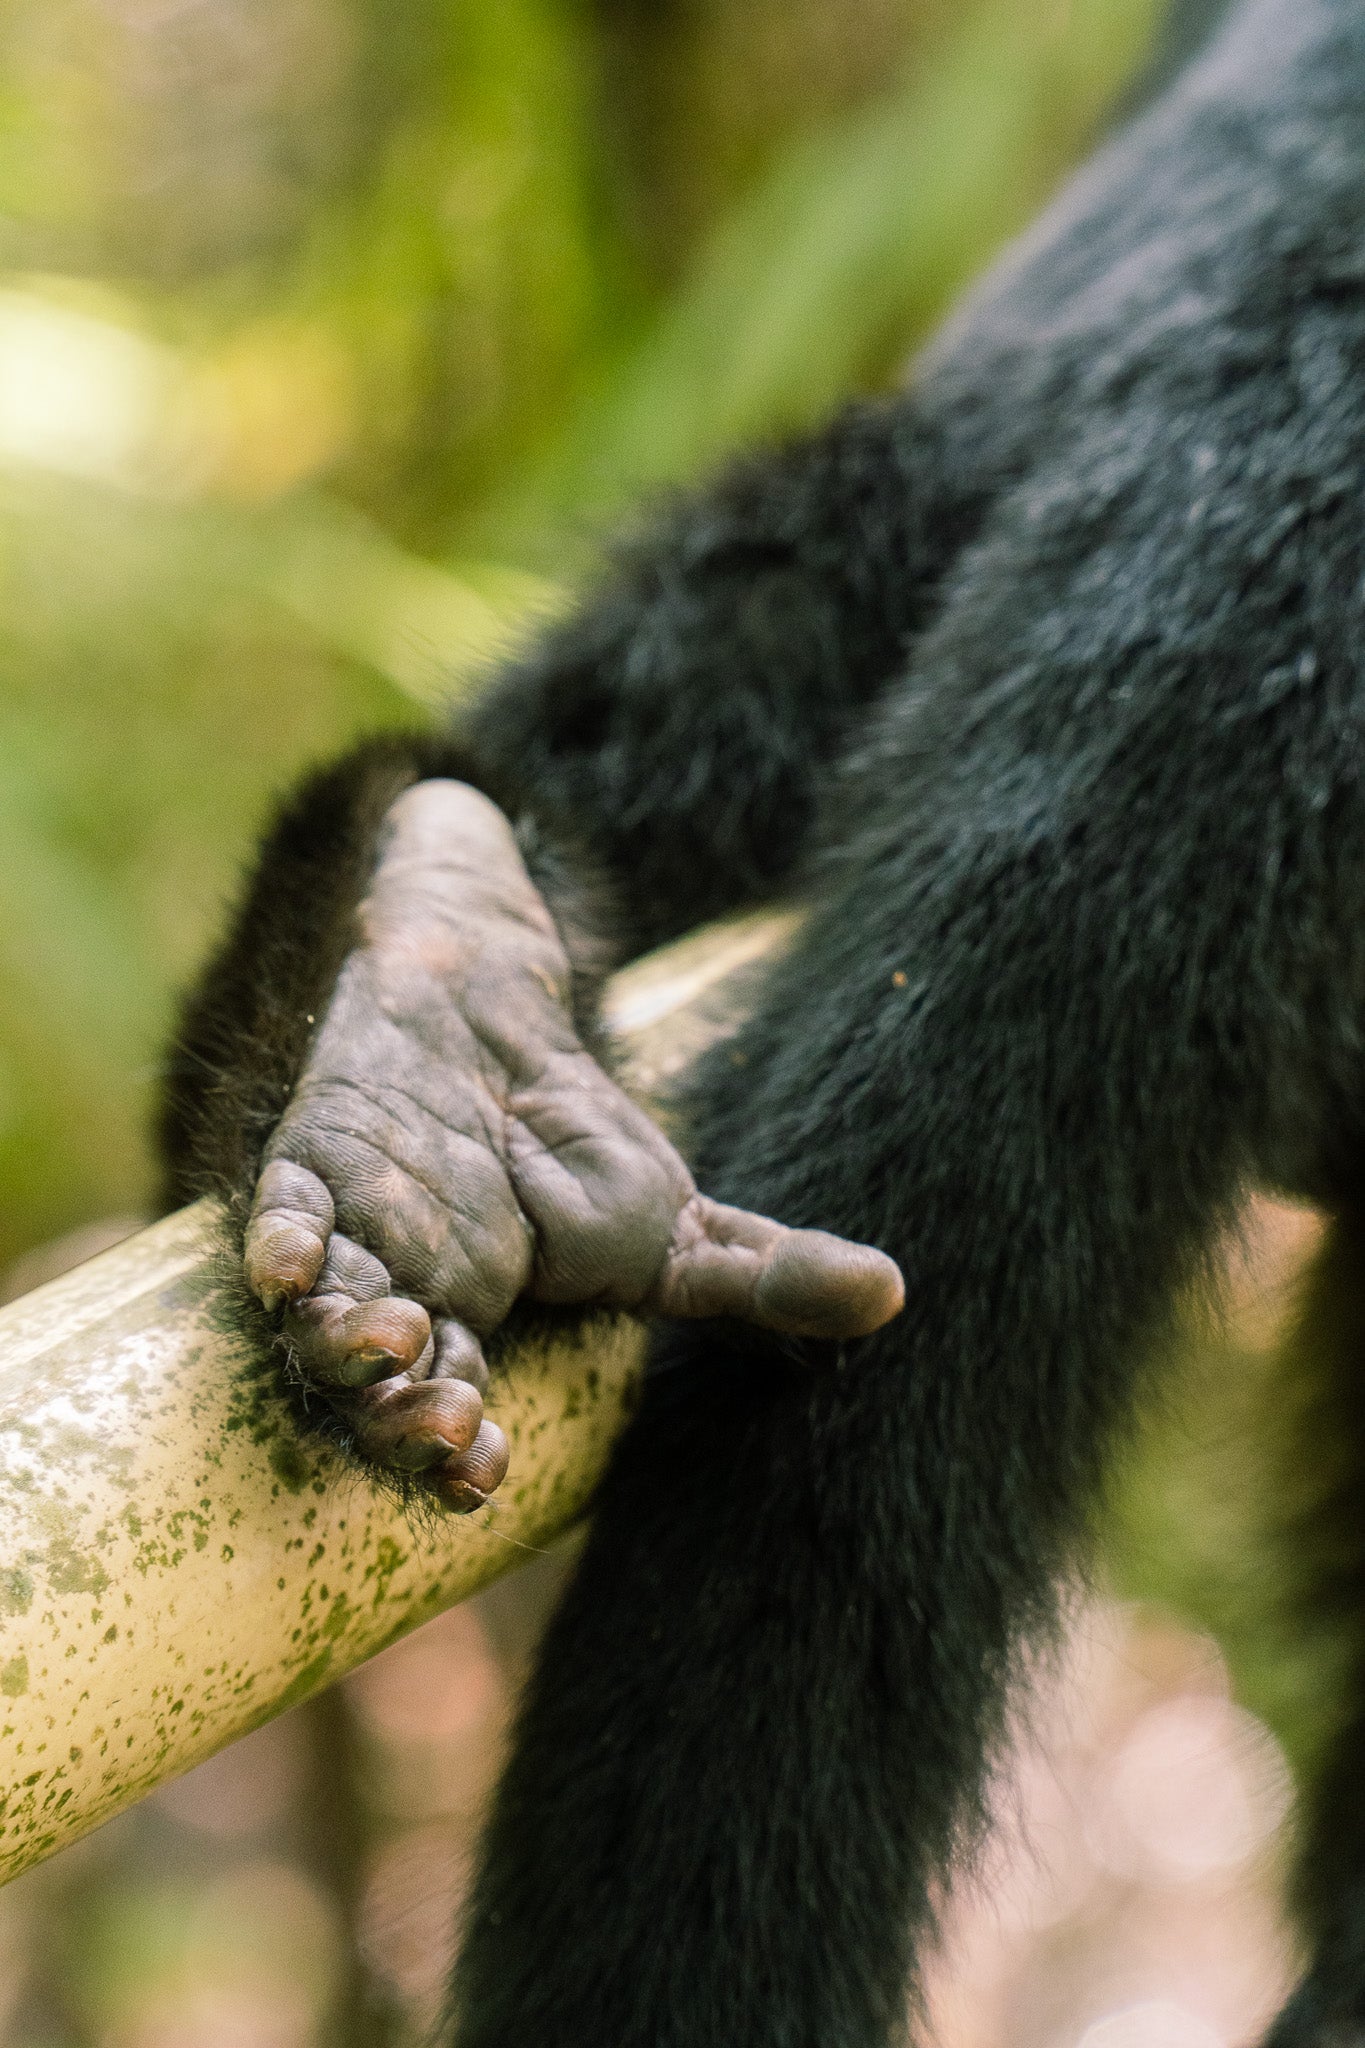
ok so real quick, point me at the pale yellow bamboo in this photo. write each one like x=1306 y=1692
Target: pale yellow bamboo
x=176 y=1566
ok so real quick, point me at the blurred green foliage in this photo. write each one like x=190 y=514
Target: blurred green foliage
x=327 y=328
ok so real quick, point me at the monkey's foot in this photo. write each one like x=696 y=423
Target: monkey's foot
x=451 y=1146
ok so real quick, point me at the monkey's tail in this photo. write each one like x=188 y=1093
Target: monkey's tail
x=755 y=1739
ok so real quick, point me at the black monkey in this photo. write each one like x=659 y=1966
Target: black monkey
x=1045 y=686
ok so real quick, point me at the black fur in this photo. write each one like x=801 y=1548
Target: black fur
x=685 y=720
x=243 y=1032
x=1045 y=685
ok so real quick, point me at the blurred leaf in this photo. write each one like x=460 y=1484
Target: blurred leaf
x=844 y=253
x=1189 y=1528
x=77 y=1020
x=425 y=628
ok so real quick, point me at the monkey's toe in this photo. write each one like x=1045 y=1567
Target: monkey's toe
x=352 y=1331
x=805 y=1283
x=342 y=1343
x=465 y=1481
x=818 y=1285
x=410 y=1427
x=286 y=1238
x=458 y=1355
x=411 y=1393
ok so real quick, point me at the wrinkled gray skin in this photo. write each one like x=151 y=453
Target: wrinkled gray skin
x=450 y=1138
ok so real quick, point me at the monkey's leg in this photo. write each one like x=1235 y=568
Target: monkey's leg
x=756 y=1734
x=1326 y=1565
x=387 y=1029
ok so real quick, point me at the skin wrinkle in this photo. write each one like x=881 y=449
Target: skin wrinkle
x=455 y=1296
x=521 y=1050
x=502 y=902
x=325 y=1137
x=435 y=904
x=502 y=1287
x=582 y=1074
x=372 y=1093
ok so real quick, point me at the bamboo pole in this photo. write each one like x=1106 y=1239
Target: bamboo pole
x=176 y=1566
